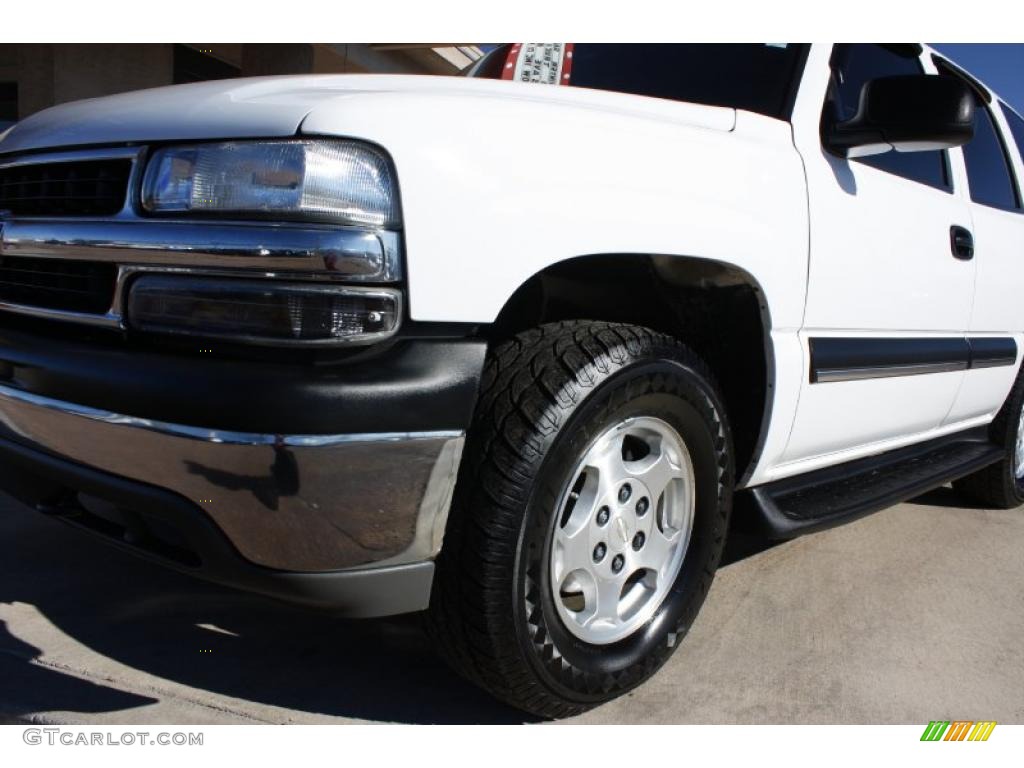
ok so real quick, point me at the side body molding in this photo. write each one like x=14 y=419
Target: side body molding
x=851 y=359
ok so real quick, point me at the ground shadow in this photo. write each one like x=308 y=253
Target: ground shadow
x=746 y=537
x=741 y=545
x=217 y=640
x=943 y=497
x=33 y=687
x=221 y=641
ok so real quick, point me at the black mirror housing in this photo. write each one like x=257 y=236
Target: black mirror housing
x=908 y=113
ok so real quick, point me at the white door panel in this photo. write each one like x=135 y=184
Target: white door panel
x=999 y=260
x=998 y=307
x=837 y=416
x=881 y=268
x=880 y=252
x=983 y=391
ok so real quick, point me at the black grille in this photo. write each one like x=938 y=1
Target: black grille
x=87 y=188
x=76 y=286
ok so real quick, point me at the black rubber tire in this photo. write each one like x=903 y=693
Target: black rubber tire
x=545 y=394
x=996 y=485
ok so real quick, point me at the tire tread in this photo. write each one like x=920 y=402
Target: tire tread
x=529 y=387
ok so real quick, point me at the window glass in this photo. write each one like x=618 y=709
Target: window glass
x=855 y=64
x=8 y=102
x=1016 y=123
x=988 y=169
x=751 y=76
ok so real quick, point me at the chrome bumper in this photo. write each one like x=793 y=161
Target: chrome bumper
x=142 y=245
x=310 y=503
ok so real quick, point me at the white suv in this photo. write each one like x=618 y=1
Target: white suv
x=513 y=348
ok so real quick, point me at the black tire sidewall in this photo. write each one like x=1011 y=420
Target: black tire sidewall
x=1014 y=484
x=662 y=387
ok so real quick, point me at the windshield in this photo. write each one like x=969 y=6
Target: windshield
x=759 y=77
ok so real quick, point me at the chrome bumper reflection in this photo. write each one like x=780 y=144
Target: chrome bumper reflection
x=329 y=251
x=289 y=502
x=305 y=252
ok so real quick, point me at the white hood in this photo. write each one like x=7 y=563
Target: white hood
x=278 y=106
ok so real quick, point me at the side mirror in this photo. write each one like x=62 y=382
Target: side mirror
x=908 y=113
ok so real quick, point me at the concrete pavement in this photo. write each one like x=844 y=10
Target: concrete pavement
x=911 y=615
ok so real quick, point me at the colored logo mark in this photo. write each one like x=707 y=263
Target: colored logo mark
x=958 y=730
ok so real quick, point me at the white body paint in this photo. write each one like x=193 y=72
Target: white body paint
x=501 y=180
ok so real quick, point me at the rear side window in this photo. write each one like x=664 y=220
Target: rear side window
x=988 y=167
x=1016 y=123
x=855 y=64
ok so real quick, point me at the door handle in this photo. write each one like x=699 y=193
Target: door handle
x=962 y=242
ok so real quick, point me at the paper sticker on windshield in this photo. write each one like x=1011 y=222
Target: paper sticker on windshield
x=549 y=63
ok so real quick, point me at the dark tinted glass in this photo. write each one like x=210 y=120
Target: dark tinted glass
x=8 y=102
x=988 y=168
x=855 y=64
x=1016 y=123
x=755 y=77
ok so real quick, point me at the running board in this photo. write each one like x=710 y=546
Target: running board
x=836 y=495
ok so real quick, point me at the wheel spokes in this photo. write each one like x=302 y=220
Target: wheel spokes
x=655 y=472
x=1019 y=454
x=572 y=551
x=622 y=530
x=606 y=608
x=657 y=550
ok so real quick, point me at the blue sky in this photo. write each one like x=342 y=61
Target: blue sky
x=999 y=65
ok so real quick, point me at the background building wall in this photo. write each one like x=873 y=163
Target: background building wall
x=83 y=71
x=36 y=76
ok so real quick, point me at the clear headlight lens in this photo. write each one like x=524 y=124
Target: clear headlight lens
x=341 y=181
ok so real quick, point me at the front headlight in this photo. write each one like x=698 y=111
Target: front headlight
x=347 y=182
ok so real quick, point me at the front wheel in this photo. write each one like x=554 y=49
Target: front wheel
x=589 y=517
